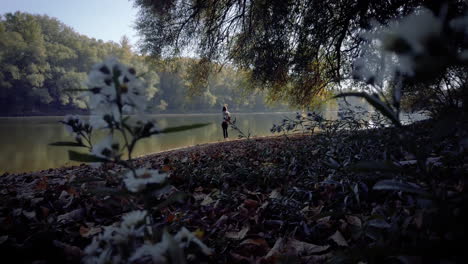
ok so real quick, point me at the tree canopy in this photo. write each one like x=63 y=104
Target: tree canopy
x=298 y=46
x=43 y=62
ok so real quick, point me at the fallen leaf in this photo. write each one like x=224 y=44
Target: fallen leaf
x=170 y=218
x=275 y=250
x=325 y=219
x=303 y=248
x=208 y=200
x=88 y=232
x=199 y=196
x=249 y=203
x=354 y=220
x=238 y=235
x=74 y=215
x=275 y=194
x=42 y=184
x=71 y=252
x=72 y=191
x=30 y=215
x=221 y=220
x=199 y=233
x=166 y=168
x=339 y=239
x=255 y=241
x=378 y=223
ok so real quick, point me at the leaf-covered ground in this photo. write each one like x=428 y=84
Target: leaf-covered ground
x=378 y=196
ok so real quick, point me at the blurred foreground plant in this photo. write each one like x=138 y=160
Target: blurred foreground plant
x=117 y=102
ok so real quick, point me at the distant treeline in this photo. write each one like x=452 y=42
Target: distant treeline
x=43 y=60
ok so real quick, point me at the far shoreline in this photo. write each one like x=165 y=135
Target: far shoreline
x=151 y=114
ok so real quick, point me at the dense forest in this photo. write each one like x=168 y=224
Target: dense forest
x=44 y=63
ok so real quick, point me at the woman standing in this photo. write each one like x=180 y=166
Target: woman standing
x=226 y=121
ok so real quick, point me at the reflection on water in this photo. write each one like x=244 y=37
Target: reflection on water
x=24 y=140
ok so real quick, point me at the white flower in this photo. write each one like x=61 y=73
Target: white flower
x=185 y=234
x=155 y=251
x=134 y=218
x=415 y=29
x=96 y=255
x=108 y=148
x=102 y=89
x=109 y=80
x=103 y=257
x=397 y=47
x=132 y=91
x=137 y=181
x=101 y=74
x=105 y=116
x=125 y=233
x=74 y=125
x=102 y=96
x=93 y=247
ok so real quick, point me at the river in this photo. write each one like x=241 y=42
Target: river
x=24 y=140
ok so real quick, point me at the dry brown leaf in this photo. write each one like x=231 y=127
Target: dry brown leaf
x=89 y=231
x=249 y=203
x=166 y=168
x=42 y=184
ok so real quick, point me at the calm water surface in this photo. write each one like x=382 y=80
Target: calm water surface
x=24 y=140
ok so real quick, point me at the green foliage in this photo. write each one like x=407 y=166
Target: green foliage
x=43 y=65
x=42 y=60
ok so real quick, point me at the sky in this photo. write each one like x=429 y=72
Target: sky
x=108 y=20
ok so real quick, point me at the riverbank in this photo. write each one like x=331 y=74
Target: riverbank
x=310 y=199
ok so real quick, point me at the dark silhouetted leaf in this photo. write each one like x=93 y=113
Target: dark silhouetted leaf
x=66 y=144
x=104 y=191
x=379 y=223
x=81 y=157
x=377 y=104
x=374 y=165
x=75 y=90
x=183 y=128
x=392 y=185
